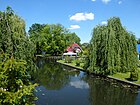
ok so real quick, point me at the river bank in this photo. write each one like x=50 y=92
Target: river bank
x=121 y=80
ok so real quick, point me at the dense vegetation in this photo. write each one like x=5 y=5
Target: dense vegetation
x=113 y=49
x=17 y=51
x=51 y=39
x=16 y=64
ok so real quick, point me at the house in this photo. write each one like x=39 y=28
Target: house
x=73 y=50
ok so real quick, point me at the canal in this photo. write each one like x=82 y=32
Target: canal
x=62 y=85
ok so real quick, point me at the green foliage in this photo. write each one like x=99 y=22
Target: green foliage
x=35 y=36
x=112 y=49
x=15 y=88
x=71 y=38
x=16 y=61
x=77 y=62
x=13 y=39
x=134 y=76
x=86 y=63
x=68 y=59
x=51 y=39
x=85 y=49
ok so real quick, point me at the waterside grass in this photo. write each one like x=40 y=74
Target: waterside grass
x=122 y=76
x=125 y=76
x=73 y=64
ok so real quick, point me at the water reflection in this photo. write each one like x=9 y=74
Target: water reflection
x=79 y=84
x=104 y=93
x=62 y=85
x=138 y=98
x=53 y=76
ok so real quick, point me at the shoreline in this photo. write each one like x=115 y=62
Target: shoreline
x=108 y=77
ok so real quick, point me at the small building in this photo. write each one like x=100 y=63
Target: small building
x=73 y=50
x=70 y=54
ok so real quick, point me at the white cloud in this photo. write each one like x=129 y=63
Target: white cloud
x=104 y=22
x=82 y=16
x=79 y=84
x=119 y=2
x=93 y=0
x=106 y=1
x=74 y=27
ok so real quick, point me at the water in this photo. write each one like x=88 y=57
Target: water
x=61 y=85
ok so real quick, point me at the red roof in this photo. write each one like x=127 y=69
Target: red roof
x=75 y=45
x=71 y=48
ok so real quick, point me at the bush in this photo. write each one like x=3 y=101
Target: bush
x=86 y=63
x=77 y=62
x=68 y=59
x=134 y=76
x=15 y=87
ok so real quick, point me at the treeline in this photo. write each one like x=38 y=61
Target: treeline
x=112 y=49
x=51 y=39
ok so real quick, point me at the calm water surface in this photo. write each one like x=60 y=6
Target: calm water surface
x=61 y=85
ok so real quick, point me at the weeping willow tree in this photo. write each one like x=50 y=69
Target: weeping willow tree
x=16 y=64
x=13 y=38
x=113 y=49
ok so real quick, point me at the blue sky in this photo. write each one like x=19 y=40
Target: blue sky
x=80 y=16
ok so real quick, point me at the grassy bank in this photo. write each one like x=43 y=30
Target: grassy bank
x=73 y=63
x=122 y=76
x=125 y=76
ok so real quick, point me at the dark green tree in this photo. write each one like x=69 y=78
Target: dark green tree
x=72 y=38
x=113 y=49
x=13 y=38
x=16 y=60
x=35 y=35
x=51 y=38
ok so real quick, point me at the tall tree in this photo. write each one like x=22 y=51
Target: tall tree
x=35 y=35
x=16 y=53
x=72 y=38
x=13 y=38
x=113 y=49
x=51 y=38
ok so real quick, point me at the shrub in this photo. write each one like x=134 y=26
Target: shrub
x=77 y=62
x=134 y=76
x=68 y=59
x=15 y=87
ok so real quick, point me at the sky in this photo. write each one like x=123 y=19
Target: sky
x=79 y=16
